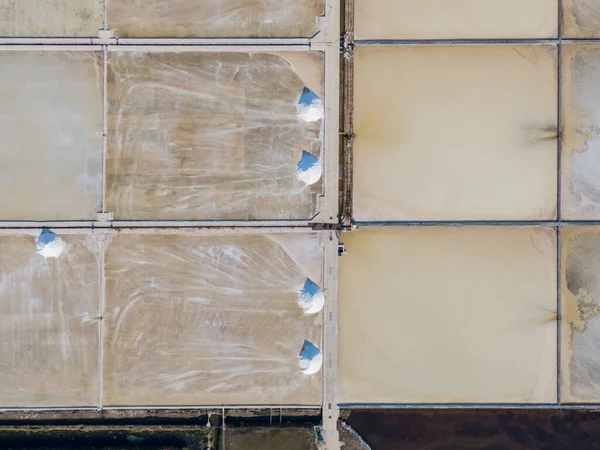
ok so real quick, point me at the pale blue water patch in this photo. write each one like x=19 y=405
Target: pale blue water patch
x=307 y=161
x=310 y=288
x=307 y=97
x=309 y=351
x=309 y=107
x=311 y=298
x=45 y=237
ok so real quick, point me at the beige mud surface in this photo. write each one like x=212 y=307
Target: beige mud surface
x=445 y=19
x=209 y=319
x=455 y=132
x=210 y=135
x=51 y=127
x=48 y=323
x=214 y=18
x=51 y=18
x=581 y=308
x=581 y=132
x=448 y=315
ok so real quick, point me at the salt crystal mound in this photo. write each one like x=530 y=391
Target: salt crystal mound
x=309 y=168
x=49 y=244
x=311 y=298
x=310 y=359
x=309 y=106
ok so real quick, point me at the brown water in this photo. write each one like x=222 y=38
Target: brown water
x=455 y=132
x=435 y=19
x=478 y=429
x=448 y=315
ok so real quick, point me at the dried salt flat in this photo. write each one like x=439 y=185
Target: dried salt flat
x=214 y=136
x=212 y=319
x=214 y=18
x=51 y=127
x=49 y=320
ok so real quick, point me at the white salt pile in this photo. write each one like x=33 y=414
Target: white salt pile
x=311 y=298
x=310 y=359
x=49 y=244
x=309 y=168
x=309 y=106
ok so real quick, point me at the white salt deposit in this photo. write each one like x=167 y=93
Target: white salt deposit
x=49 y=244
x=309 y=169
x=312 y=112
x=310 y=106
x=310 y=359
x=311 y=298
x=310 y=367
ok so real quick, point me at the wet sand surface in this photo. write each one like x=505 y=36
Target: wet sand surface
x=214 y=18
x=49 y=325
x=444 y=19
x=51 y=18
x=437 y=314
x=455 y=132
x=581 y=132
x=51 y=127
x=209 y=319
x=581 y=306
x=210 y=136
x=506 y=429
